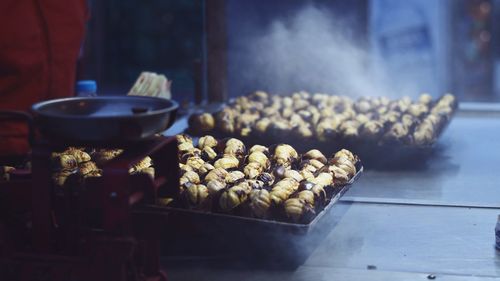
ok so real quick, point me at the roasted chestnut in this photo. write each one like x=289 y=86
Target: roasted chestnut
x=201 y=123
x=207 y=141
x=298 y=209
x=227 y=162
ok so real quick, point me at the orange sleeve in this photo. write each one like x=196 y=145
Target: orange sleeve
x=39 y=45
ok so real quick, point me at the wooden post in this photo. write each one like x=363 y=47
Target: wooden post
x=216 y=38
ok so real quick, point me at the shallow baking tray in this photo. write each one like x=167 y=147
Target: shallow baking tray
x=197 y=233
x=395 y=155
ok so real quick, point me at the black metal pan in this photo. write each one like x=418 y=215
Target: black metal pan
x=104 y=119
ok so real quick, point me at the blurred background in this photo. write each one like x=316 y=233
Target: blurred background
x=359 y=47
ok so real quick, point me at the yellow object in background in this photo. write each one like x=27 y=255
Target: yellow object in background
x=152 y=85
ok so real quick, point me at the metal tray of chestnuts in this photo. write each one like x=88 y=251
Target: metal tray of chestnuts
x=300 y=199
x=197 y=235
x=384 y=133
x=249 y=224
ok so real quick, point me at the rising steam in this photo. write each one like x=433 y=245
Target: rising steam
x=309 y=51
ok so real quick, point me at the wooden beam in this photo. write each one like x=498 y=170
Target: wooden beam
x=216 y=38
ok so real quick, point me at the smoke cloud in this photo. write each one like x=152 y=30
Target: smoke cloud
x=310 y=51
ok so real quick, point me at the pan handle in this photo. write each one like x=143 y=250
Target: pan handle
x=14 y=115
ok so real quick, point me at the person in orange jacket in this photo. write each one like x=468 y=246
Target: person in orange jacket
x=39 y=45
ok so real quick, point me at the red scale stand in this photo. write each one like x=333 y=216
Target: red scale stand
x=92 y=231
